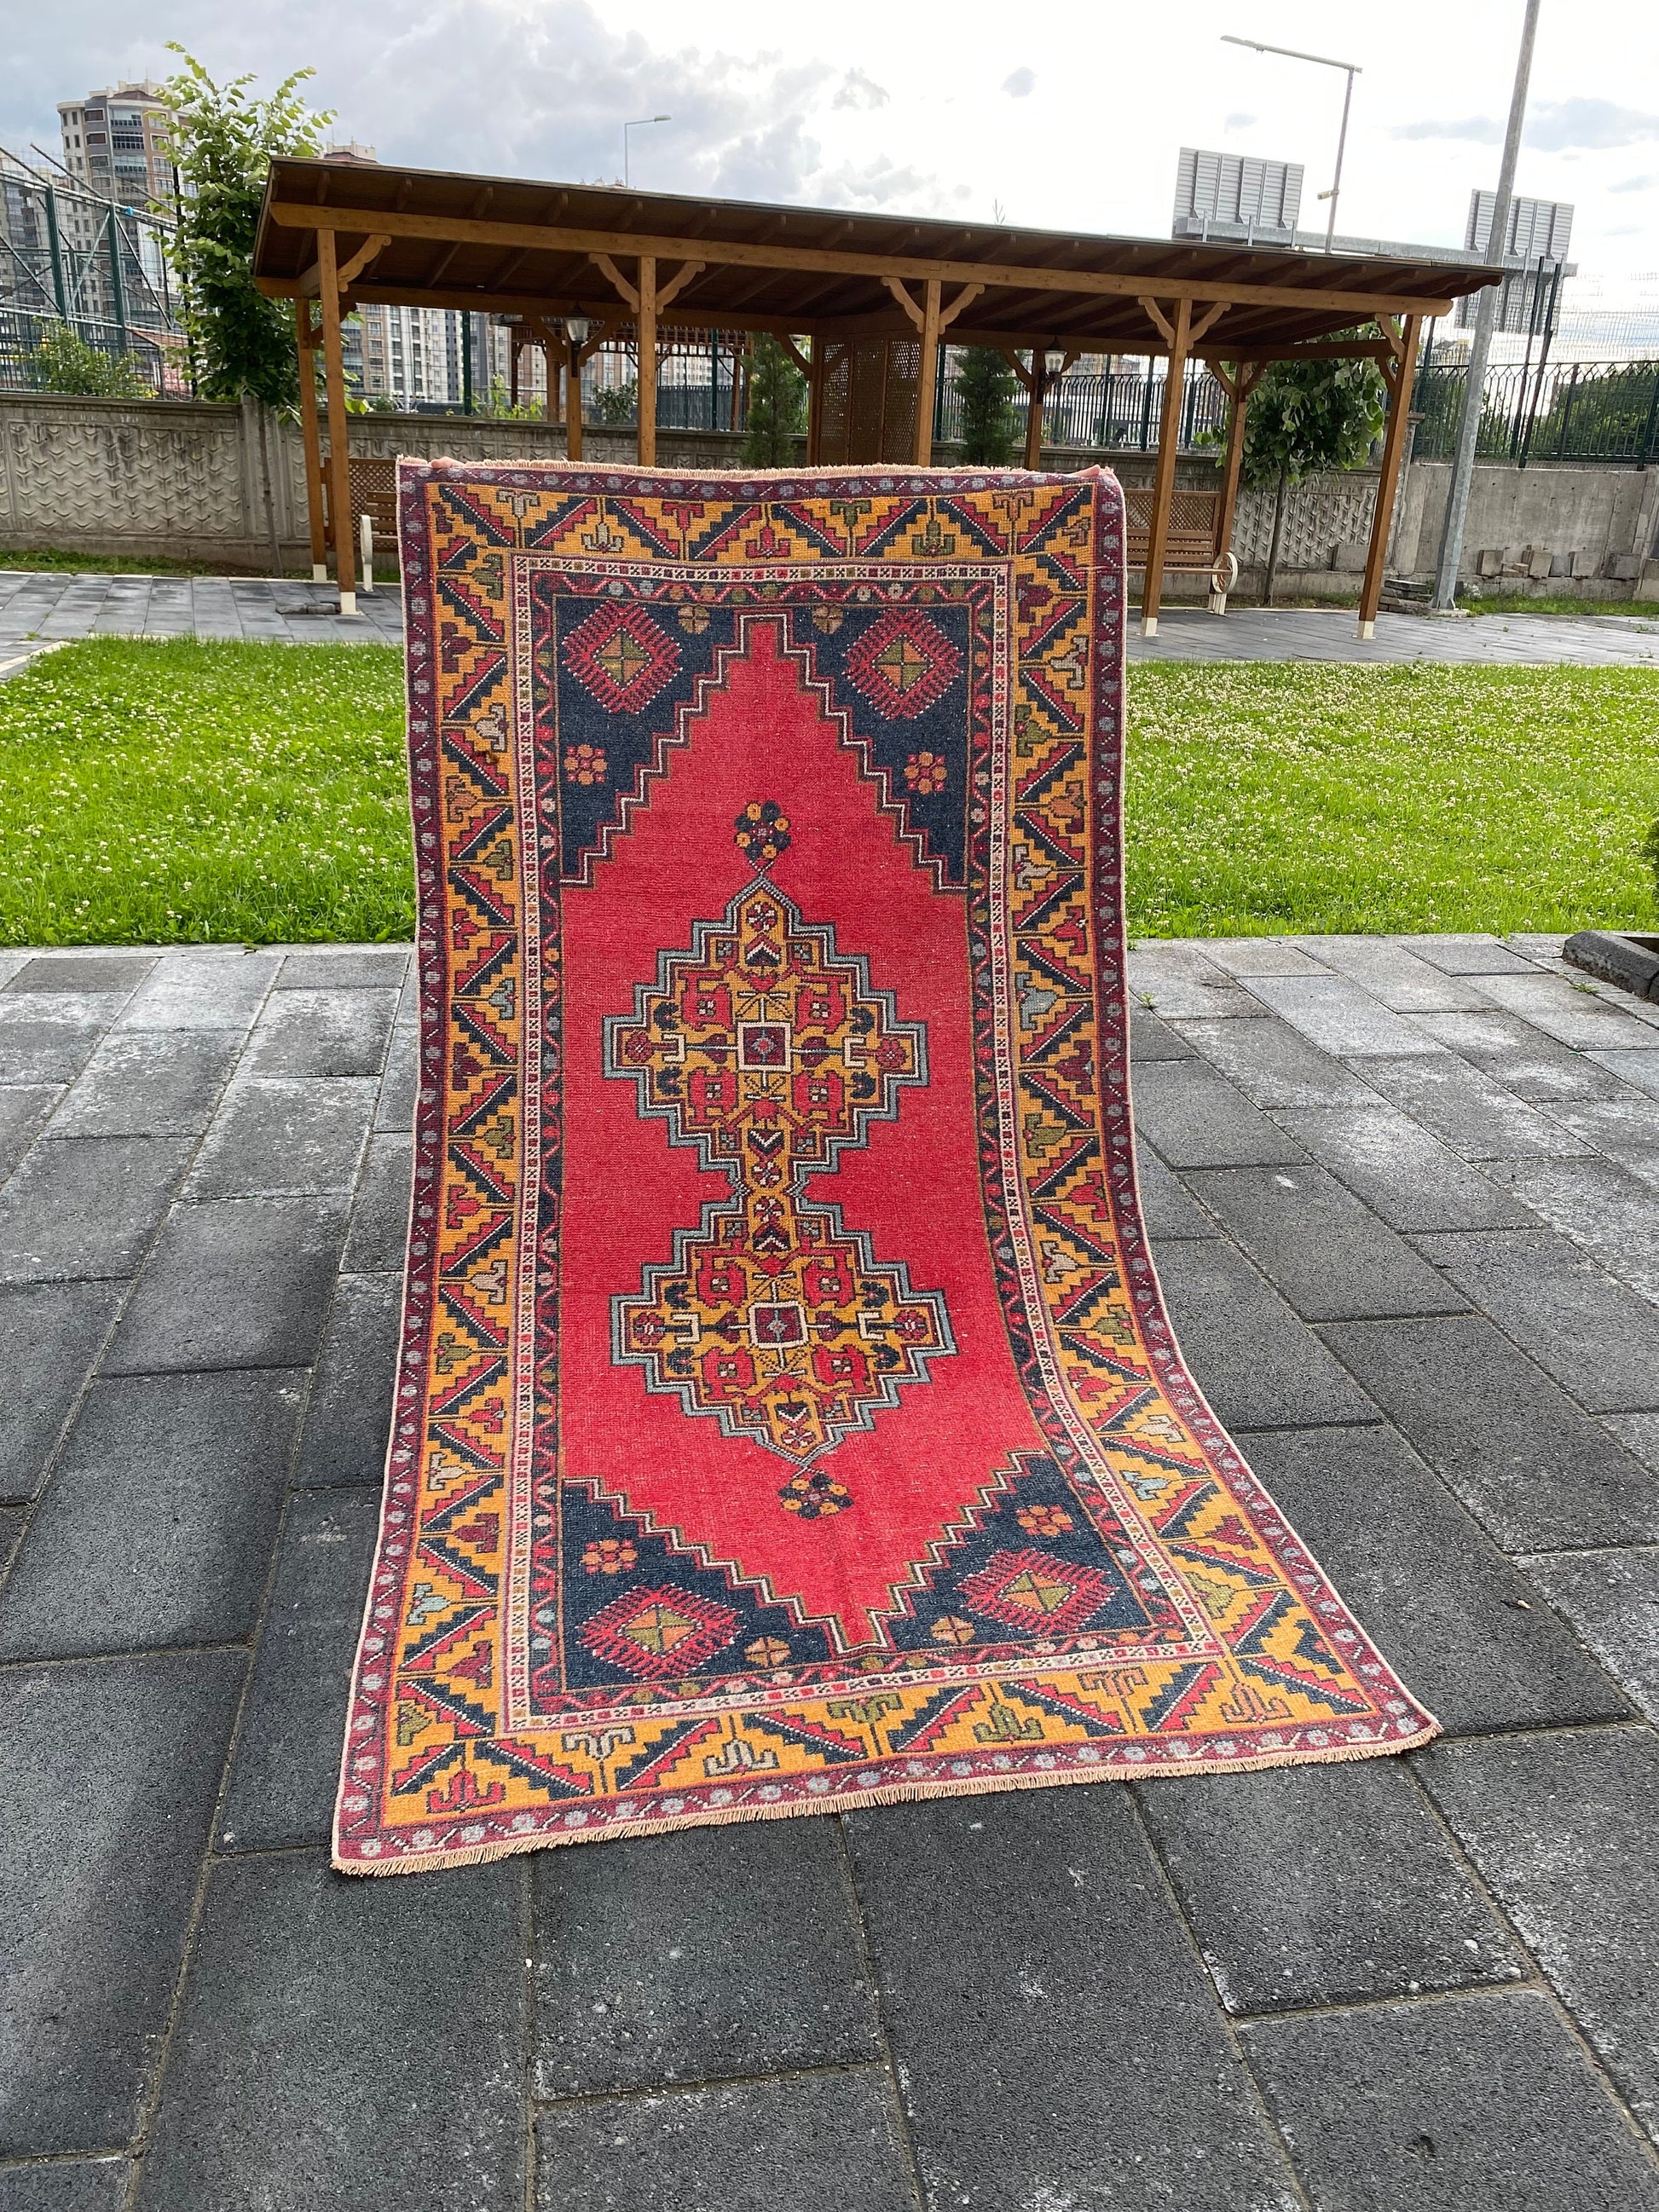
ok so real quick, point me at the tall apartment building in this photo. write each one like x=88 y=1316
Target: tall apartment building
x=412 y=356
x=118 y=143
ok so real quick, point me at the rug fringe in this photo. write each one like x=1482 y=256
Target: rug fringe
x=893 y=1793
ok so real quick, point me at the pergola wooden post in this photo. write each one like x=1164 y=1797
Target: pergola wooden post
x=311 y=436
x=932 y=320
x=814 y=402
x=1399 y=373
x=645 y=324
x=1178 y=336
x=1037 y=384
x=1238 y=383
x=339 y=462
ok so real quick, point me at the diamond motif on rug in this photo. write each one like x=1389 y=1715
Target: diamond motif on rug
x=623 y=657
x=904 y=664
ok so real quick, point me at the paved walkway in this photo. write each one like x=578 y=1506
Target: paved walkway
x=1404 y=1199
x=42 y=608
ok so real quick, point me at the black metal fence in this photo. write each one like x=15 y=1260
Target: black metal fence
x=1123 y=411
x=87 y=353
x=1605 y=412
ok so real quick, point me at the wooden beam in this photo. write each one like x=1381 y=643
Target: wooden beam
x=678 y=282
x=901 y=293
x=928 y=376
x=645 y=322
x=339 y=464
x=1393 y=447
x=1159 y=321
x=311 y=438
x=795 y=355
x=1017 y=364
x=1157 y=537
x=964 y=298
x=608 y=269
x=296 y=215
x=371 y=248
x=1037 y=385
x=1208 y=322
x=815 y=404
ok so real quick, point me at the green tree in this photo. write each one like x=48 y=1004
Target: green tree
x=615 y=404
x=985 y=386
x=1307 y=416
x=777 y=407
x=64 y=361
x=224 y=140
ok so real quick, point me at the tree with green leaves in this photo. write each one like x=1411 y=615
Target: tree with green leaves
x=777 y=407
x=224 y=140
x=985 y=388
x=1307 y=416
x=64 y=361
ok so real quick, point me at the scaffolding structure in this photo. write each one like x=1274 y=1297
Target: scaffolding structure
x=70 y=260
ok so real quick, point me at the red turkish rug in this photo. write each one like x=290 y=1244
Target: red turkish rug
x=787 y=1415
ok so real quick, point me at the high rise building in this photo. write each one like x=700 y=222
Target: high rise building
x=118 y=144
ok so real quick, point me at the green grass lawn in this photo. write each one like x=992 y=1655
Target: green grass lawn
x=176 y=792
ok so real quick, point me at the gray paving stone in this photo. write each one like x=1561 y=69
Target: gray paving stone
x=737 y=1954
x=344 y=967
x=1174 y=977
x=1475 y=1116
x=1569 y=1015
x=1639 y=1068
x=1057 y=2044
x=395 y=1108
x=284 y=1136
x=287 y=1762
x=23 y=1108
x=85 y=1208
x=1612 y=1599
x=206 y=987
x=1534 y=1470
x=1245 y=957
x=1330 y=1255
x=1623 y=1128
x=157 y=1528
x=1256 y=1363
x=379 y=1238
x=311 y=1032
x=1471 y=2104
x=1638 y=1432
x=1473 y=953
x=1562 y=1827
x=1149 y=1038
x=242 y=1283
x=1591 y=1332
x=75 y=2184
x=1165 y=1207
x=1392 y=974
x=50 y=1039
x=1275 y=1065
x=12 y=1518
x=811 y=2143
x=1198 y=1120
x=1336 y=1014
x=1319 y=1884
x=99 y=972
x=50 y=1333
x=1460 y=1623
x=1519 y=1057
x=350 y=1415
x=1600 y=1205
x=149 y=1083
x=346 y=2045
x=112 y=1767
x=1401 y=1171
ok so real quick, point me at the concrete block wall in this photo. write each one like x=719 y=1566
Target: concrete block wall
x=161 y=478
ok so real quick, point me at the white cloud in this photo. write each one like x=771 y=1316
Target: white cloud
x=1020 y=84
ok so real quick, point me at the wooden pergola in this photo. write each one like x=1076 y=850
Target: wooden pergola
x=863 y=288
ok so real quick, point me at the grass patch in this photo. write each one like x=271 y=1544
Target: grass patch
x=1279 y=796
x=177 y=792
x=49 y=561
x=1553 y=603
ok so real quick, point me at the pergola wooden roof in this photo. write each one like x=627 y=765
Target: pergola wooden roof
x=345 y=231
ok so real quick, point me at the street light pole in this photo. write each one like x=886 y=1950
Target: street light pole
x=639 y=125
x=1486 y=313
x=1353 y=70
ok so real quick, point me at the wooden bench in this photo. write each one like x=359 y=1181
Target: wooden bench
x=1194 y=520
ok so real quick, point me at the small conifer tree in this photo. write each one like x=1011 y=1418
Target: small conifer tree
x=777 y=407
x=985 y=385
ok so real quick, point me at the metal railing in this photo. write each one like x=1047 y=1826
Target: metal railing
x=1604 y=411
x=1121 y=412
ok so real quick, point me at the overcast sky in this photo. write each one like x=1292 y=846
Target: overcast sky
x=1064 y=114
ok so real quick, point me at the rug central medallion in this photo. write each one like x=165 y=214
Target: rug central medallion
x=769 y=1052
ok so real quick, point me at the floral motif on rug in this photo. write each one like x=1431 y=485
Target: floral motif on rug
x=787 y=1415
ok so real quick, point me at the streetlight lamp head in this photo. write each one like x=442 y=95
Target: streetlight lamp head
x=576 y=328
